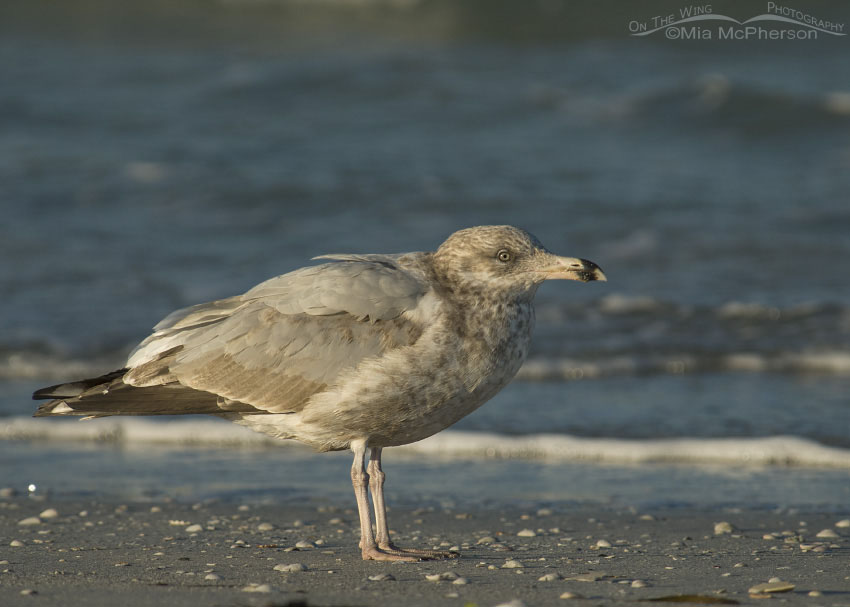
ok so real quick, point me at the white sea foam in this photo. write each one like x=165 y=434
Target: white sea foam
x=769 y=451
x=773 y=451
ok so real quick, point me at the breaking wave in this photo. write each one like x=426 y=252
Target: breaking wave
x=782 y=451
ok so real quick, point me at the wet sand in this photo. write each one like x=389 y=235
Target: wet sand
x=98 y=552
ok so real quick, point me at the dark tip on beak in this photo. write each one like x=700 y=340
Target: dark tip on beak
x=570 y=268
x=587 y=271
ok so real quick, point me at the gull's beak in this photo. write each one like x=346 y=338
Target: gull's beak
x=570 y=268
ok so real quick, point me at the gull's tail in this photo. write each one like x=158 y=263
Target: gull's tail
x=109 y=395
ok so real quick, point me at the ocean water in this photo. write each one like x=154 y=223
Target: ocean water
x=154 y=157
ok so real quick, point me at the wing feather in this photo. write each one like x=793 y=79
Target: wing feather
x=287 y=338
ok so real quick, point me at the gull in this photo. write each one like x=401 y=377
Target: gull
x=362 y=352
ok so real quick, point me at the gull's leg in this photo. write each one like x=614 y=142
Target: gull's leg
x=376 y=486
x=360 y=481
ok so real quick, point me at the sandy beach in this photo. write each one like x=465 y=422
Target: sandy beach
x=98 y=552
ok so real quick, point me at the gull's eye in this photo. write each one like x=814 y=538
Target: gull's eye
x=503 y=255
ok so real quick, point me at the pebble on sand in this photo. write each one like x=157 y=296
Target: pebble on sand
x=549 y=577
x=843 y=523
x=290 y=567
x=571 y=595
x=213 y=577
x=264 y=588
x=603 y=544
x=723 y=527
x=381 y=577
x=773 y=586
x=439 y=577
x=827 y=533
x=30 y=520
x=265 y=527
x=526 y=533
x=48 y=514
x=512 y=564
x=194 y=528
x=16 y=543
x=586 y=577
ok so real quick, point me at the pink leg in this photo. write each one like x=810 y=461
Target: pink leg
x=376 y=485
x=360 y=481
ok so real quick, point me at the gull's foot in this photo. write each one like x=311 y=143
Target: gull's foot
x=419 y=555
x=379 y=554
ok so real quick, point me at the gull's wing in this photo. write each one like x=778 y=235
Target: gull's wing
x=285 y=339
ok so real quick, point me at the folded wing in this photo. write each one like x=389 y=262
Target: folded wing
x=268 y=350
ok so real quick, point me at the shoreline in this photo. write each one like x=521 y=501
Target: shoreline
x=107 y=552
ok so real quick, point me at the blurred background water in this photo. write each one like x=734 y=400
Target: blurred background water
x=155 y=155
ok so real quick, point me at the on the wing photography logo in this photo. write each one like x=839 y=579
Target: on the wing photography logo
x=700 y=22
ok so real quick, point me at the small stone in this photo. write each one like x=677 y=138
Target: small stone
x=603 y=544
x=48 y=514
x=264 y=588
x=638 y=584
x=586 y=577
x=544 y=512
x=194 y=528
x=28 y=592
x=305 y=544
x=571 y=595
x=487 y=539
x=513 y=603
x=723 y=527
x=772 y=586
x=739 y=565
x=265 y=527
x=213 y=577
x=30 y=520
x=381 y=577
x=549 y=577
x=815 y=593
x=526 y=533
x=8 y=492
x=843 y=523
x=155 y=509
x=461 y=581
x=16 y=543
x=290 y=567
x=432 y=577
x=646 y=517
x=768 y=536
x=827 y=533
x=512 y=564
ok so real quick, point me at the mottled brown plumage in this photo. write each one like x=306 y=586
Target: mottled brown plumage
x=368 y=351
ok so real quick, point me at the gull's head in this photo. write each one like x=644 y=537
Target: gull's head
x=506 y=259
